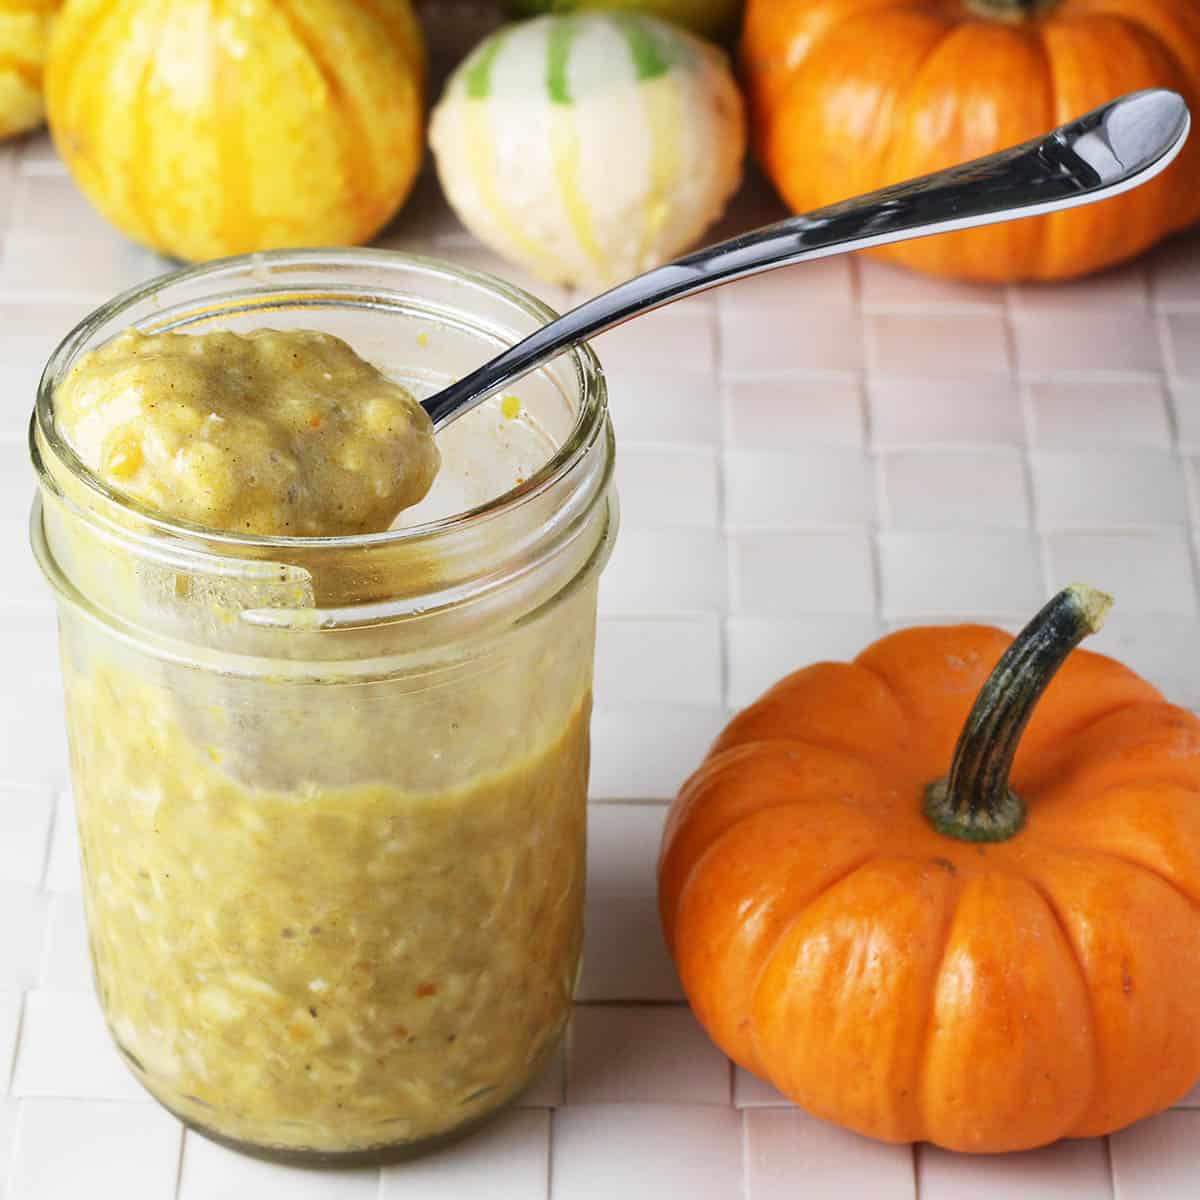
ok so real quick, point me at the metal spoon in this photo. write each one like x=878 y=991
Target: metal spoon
x=1108 y=151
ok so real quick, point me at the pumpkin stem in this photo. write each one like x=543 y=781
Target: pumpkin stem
x=974 y=802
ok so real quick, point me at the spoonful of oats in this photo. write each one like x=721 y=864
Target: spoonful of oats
x=286 y=433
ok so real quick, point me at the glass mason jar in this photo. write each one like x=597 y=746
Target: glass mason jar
x=331 y=792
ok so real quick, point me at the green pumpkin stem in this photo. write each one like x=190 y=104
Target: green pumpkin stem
x=974 y=802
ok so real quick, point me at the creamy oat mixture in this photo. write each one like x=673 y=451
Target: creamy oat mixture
x=325 y=968
x=328 y=961
x=287 y=433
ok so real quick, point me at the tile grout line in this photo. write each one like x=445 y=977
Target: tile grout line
x=1029 y=427
x=183 y=1135
x=745 y=1132
x=871 y=448
x=724 y=446
x=1166 y=345
x=51 y=830
x=1191 y=484
x=47 y=942
x=9 y=1168
x=606 y=801
x=622 y=1002
x=145 y=1102
x=883 y=516
x=1191 y=531
x=567 y=1053
x=18 y=1032
x=628 y=803
x=1108 y=1163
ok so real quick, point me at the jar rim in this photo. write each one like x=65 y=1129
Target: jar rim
x=590 y=421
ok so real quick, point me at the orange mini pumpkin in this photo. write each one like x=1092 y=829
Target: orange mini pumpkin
x=850 y=95
x=957 y=962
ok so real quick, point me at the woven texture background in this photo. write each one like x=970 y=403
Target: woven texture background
x=805 y=461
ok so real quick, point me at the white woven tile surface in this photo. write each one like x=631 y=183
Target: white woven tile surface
x=806 y=460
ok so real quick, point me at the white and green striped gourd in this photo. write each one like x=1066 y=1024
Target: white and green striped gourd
x=588 y=147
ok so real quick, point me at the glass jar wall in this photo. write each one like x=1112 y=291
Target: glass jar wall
x=332 y=792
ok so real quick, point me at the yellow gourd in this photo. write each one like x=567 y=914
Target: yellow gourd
x=24 y=36
x=205 y=130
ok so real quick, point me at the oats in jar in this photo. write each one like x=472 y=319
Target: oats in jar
x=333 y=879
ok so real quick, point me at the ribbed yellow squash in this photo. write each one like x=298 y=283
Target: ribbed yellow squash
x=24 y=37
x=212 y=127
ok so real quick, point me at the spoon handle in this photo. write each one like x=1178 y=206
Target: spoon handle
x=1108 y=151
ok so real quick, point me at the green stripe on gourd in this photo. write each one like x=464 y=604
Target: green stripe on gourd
x=652 y=55
x=651 y=58
x=477 y=75
x=558 y=52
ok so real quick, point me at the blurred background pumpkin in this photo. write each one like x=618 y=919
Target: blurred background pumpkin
x=709 y=17
x=203 y=132
x=851 y=95
x=24 y=36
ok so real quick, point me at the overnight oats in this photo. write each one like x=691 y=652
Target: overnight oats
x=328 y=683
